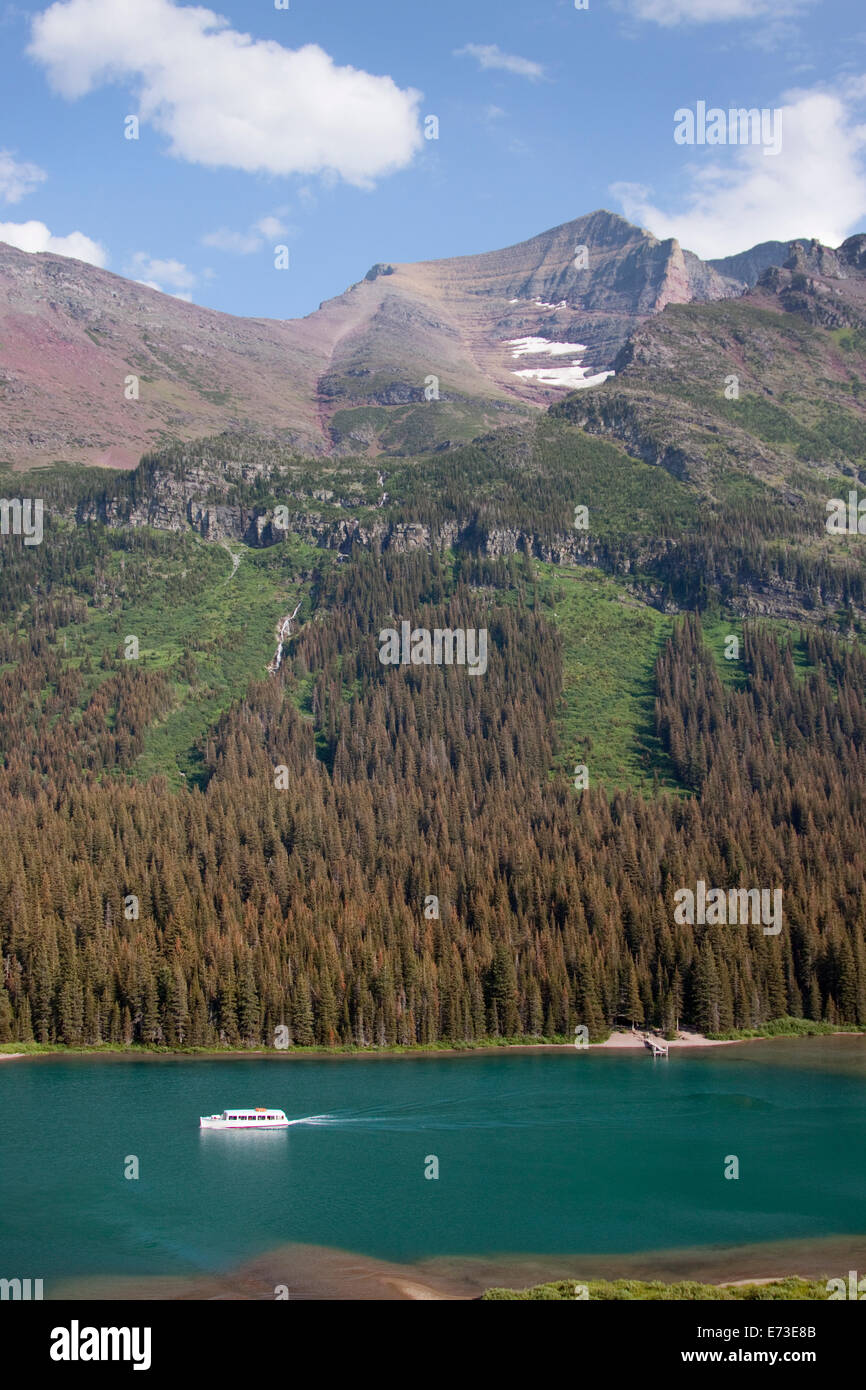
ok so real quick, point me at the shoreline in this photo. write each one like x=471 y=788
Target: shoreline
x=320 y=1272
x=619 y=1040
x=326 y=1272
x=624 y=1038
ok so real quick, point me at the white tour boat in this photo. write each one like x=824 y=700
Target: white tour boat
x=260 y=1117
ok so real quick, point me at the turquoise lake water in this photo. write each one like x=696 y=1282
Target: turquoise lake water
x=540 y=1152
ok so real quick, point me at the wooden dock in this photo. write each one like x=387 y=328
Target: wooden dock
x=655 y=1045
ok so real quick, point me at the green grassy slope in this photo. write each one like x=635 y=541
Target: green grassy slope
x=210 y=627
x=620 y=1290
x=205 y=614
x=610 y=644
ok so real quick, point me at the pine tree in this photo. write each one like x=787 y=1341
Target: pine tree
x=302 y=1014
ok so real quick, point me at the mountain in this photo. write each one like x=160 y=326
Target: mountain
x=706 y=420
x=767 y=388
x=750 y=265
x=196 y=717
x=502 y=333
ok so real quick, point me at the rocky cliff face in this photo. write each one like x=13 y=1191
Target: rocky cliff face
x=176 y=507
x=758 y=385
x=823 y=286
x=750 y=265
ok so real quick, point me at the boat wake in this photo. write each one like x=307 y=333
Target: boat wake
x=455 y=1113
x=315 y=1120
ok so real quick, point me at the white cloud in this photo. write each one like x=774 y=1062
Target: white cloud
x=670 y=12
x=245 y=243
x=271 y=227
x=816 y=186
x=240 y=243
x=157 y=274
x=152 y=285
x=17 y=180
x=226 y=100
x=35 y=236
x=490 y=55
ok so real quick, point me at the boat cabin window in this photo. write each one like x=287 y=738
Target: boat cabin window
x=241 y=1115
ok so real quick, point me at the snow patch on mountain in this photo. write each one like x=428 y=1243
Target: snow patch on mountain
x=572 y=376
x=524 y=347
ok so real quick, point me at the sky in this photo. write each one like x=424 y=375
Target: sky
x=349 y=134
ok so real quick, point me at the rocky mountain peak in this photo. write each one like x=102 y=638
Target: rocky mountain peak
x=484 y=338
x=853 y=252
x=812 y=258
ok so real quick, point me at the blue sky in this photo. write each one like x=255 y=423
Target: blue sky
x=309 y=131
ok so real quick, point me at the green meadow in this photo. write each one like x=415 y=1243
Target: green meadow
x=204 y=614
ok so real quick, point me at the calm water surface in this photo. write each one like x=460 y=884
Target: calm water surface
x=541 y=1152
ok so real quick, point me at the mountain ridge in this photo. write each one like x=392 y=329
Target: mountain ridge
x=485 y=336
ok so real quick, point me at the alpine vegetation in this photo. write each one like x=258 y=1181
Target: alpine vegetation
x=260 y=824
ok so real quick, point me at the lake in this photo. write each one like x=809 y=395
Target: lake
x=547 y=1161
